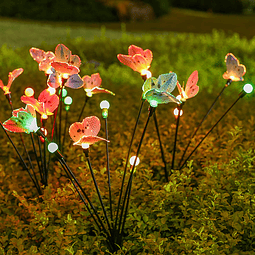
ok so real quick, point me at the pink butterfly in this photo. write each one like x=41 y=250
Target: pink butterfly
x=137 y=59
x=85 y=133
x=235 y=71
x=91 y=85
x=65 y=66
x=22 y=120
x=11 y=77
x=191 y=88
x=46 y=104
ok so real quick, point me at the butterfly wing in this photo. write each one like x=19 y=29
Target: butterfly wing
x=50 y=101
x=76 y=131
x=97 y=90
x=191 y=87
x=37 y=54
x=62 y=53
x=167 y=82
x=24 y=122
x=54 y=79
x=91 y=126
x=65 y=68
x=235 y=71
x=74 y=81
x=160 y=97
x=13 y=75
x=89 y=140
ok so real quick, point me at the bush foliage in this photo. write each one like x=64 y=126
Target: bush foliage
x=207 y=208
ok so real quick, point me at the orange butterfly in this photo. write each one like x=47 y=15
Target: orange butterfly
x=12 y=76
x=46 y=104
x=137 y=59
x=44 y=59
x=235 y=71
x=85 y=133
x=65 y=66
x=191 y=88
x=91 y=85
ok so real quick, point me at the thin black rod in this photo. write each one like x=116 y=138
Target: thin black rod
x=41 y=158
x=70 y=173
x=108 y=168
x=179 y=107
x=161 y=146
x=127 y=160
x=64 y=136
x=203 y=119
x=82 y=110
x=14 y=146
x=97 y=188
x=34 y=179
x=60 y=118
x=210 y=130
x=81 y=196
x=36 y=156
x=128 y=189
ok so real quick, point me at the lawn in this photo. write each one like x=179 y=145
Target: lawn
x=207 y=207
x=18 y=33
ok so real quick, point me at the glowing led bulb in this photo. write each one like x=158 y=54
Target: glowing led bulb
x=52 y=147
x=179 y=97
x=176 y=112
x=44 y=130
x=51 y=90
x=104 y=104
x=147 y=73
x=85 y=146
x=89 y=93
x=68 y=100
x=248 y=88
x=29 y=92
x=44 y=116
x=132 y=161
x=153 y=103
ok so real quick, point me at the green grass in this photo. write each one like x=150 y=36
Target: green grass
x=19 y=33
x=208 y=208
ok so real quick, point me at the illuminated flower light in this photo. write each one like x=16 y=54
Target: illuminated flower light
x=44 y=59
x=133 y=159
x=46 y=104
x=65 y=66
x=158 y=91
x=85 y=133
x=235 y=71
x=11 y=77
x=91 y=85
x=22 y=121
x=191 y=88
x=176 y=112
x=29 y=92
x=137 y=59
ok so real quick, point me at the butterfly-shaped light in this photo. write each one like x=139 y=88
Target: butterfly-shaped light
x=137 y=59
x=158 y=91
x=22 y=120
x=191 y=88
x=65 y=66
x=44 y=59
x=235 y=71
x=11 y=77
x=91 y=85
x=46 y=104
x=85 y=133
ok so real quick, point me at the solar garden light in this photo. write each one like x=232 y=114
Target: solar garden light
x=105 y=105
x=247 y=89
